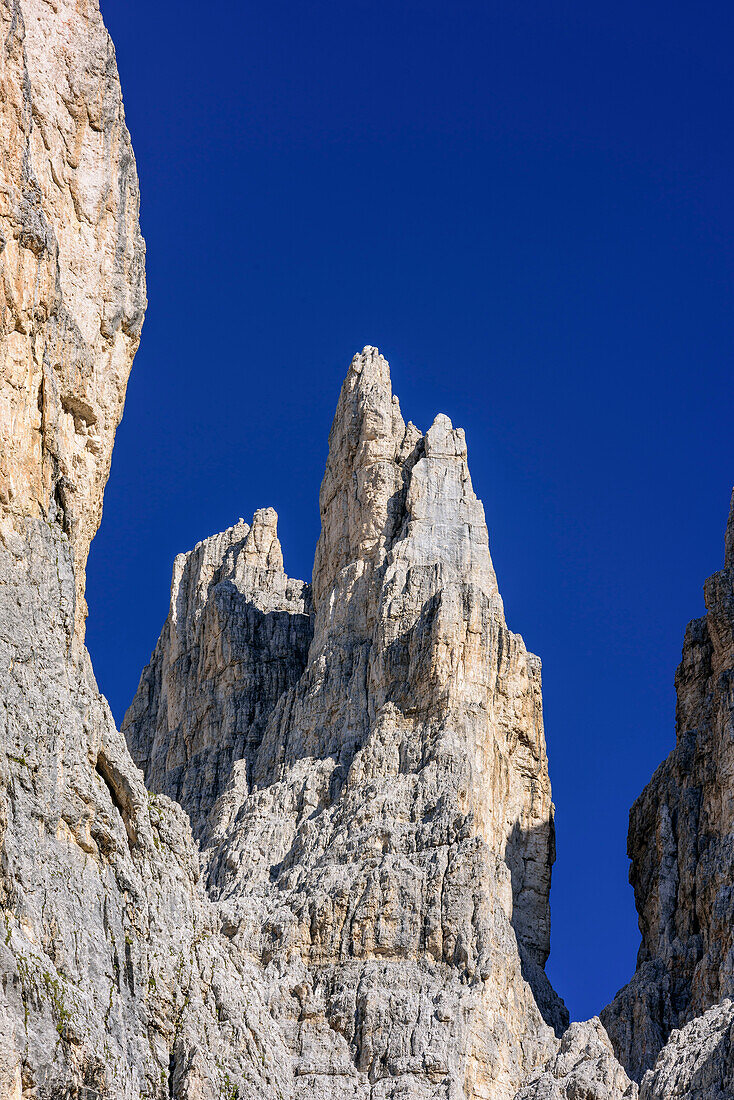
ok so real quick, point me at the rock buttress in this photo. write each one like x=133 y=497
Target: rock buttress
x=681 y=843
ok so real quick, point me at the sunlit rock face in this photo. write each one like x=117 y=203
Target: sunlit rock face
x=681 y=843
x=383 y=844
x=115 y=980
x=72 y=278
x=583 y=1068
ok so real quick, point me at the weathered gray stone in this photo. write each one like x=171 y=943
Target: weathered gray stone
x=113 y=974
x=697 y=1062
x=236 y=637
x=681 y=843
x=584 y=1068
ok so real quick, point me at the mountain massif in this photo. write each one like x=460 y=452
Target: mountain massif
x=316 y=860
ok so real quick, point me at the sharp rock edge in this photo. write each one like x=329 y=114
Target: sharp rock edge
x=364 y=762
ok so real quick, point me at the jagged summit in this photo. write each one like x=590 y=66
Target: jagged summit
x=384 y=814
x=236 y=636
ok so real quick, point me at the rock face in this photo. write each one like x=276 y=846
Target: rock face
x=681 y=843
x=236 y=637
x=114 y=977
x=584 y=1068
x=385 y=841
x=115 y=980
x=698 y=1062
x=72 y=287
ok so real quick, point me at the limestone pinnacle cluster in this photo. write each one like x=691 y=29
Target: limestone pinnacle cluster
x=315 y=863
x=377 y=824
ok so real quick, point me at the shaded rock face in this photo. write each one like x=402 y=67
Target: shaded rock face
x=681 y=843
x=384 y=844
x=236 y=637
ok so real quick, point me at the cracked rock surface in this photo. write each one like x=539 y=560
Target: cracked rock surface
x=362 y=910
x=115 y=980
x=236 y=638
x=385 y=836
x=72 y=266
x=697 y=1062
x=681 y=843
x=584 y=1068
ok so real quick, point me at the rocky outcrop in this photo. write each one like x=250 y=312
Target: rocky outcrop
x=697 y=1062
x=385 y=843
x=584 y=1068
x=72 y=279
x=681 y=843
x=236 y=637
x=115 y=980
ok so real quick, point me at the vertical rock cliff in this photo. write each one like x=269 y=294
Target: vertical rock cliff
x=681 y=843
x=114 y=978
x=383 y=844
x=73 y=279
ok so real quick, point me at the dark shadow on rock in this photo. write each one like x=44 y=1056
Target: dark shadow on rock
x=530 y=854
x=225 y=702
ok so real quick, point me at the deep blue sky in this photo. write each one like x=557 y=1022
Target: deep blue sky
x=528 y=207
